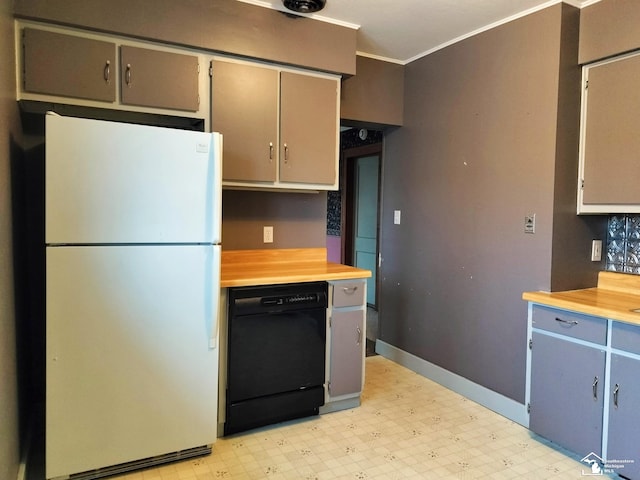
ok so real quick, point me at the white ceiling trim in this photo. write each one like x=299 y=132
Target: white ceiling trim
x=484 y=29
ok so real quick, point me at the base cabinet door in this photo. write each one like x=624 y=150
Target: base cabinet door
x=567 y=401
x=623 y=452
x=347 y=352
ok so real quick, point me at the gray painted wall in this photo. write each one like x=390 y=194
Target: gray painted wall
x=299 y=220
x=9 y=441
x=479 y=150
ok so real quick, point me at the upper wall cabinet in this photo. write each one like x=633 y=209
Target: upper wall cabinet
x=610 y=144
x=153 y=78
x=70 y=66
x=280 y=127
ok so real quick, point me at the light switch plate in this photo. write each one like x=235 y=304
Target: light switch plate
x=396 y=217
x=596 y=250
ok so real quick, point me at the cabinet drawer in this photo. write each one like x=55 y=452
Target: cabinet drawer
x=571 y=324
x=348 y=294
x=625 y=336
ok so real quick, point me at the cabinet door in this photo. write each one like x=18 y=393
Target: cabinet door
x=153 y=78
x=567 y=381
x=58 y=64
x=245 y=110
x=624 y=415
x=309 y=128
x=611 y=149
x=347 y=352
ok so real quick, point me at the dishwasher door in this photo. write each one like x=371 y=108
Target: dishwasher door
x=276 y=354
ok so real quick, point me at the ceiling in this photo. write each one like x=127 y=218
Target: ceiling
x=401 y=31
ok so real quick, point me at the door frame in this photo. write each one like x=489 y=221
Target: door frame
x=347 y=220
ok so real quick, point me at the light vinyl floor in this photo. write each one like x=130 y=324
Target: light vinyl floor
x=407 y=427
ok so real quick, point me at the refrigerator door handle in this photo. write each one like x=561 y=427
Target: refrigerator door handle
x=212 y=284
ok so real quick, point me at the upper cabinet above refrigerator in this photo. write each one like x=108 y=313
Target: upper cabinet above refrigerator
x=72 y=67
x=610 y=144
x=281 y=126
x=67 y=65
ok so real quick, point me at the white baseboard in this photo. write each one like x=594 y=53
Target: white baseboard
x=497 y=402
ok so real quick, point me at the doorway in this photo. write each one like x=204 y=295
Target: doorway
x=361 y=162
x=361 y=207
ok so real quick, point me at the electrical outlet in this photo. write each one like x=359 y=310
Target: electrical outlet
x=267 y=234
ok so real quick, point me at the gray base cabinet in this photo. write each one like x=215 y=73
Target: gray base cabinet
x=624 y=415
x=583 y=390
x=346 y=344
x=567 y=381
x=347 y=339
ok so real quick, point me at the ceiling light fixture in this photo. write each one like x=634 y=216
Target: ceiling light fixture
x=304 y=6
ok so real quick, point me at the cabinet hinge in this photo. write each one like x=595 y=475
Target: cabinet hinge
x=528 y=408
x=211 y=69
x=198 y=69
x=582 y=184
x=586 y=84
x=531 y=344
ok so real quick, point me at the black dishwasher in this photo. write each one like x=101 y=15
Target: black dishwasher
x=276 y=354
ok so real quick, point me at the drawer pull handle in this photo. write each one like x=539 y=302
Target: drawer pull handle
x=107 y=72
x=350 y=290
x=567 y=322
x=127 y=75
x=270 y=151
x=359 y=338
x=595 y=388
x=615 y=395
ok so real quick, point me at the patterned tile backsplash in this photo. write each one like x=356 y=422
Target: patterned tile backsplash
x=623 y=244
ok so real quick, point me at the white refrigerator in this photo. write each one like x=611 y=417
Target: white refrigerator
x=132 y=232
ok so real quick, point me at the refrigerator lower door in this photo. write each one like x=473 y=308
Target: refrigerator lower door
x=131 y=361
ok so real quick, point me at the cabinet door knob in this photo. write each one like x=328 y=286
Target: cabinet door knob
x=286 y=153
x=615 y=395
x=270 y=151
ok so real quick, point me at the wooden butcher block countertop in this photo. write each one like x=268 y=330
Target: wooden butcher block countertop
x=241 y=268
x=616 y=297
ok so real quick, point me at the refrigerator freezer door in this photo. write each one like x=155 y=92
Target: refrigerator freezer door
x=130 y=369
x=109 y=182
